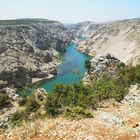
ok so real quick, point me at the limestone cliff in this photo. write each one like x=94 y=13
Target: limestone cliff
x=27 y=46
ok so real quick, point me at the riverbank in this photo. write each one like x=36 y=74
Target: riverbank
x=35 y=80
x=48 y=68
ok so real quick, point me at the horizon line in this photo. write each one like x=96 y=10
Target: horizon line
x=28 y=18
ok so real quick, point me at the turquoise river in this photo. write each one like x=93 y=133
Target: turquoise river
x=71 y=70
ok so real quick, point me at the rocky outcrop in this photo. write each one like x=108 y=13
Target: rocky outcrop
x=104 y=65
x=26 y=46
x=119 y=38
x=133 y=97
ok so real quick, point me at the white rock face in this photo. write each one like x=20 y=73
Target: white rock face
x=119 y=38
x=107 y=65
x=109 y=118
x=134 y=95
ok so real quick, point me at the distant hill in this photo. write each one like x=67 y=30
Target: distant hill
x=26 y=21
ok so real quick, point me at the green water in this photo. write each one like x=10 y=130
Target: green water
x=73 y=61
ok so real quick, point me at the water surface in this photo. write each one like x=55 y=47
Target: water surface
x=73 y=61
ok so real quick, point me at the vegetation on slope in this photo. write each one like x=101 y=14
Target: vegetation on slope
x=4 y=100
x=76 y=100
x=87 y=64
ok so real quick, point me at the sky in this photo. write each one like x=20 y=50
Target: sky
x=70 y=11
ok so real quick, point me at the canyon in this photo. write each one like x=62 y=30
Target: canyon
x=118 y=38
x=28 y=48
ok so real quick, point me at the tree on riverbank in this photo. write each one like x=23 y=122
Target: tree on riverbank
x=87 y=64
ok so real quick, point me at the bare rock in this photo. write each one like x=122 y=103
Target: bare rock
x=26 y=45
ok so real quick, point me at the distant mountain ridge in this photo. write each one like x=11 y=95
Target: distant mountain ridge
x=121 y=38
x=26 y=21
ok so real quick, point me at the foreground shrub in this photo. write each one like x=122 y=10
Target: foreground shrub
x=4 y=99
x=137 y=74
x=109 y=88
x=52 y=105
x=18 y=118
x=78 y=112
x=22 y=102
x=84 y=96
x=32 y=105
x=132 y=74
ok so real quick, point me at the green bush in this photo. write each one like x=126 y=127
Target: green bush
x=131 y=75
x=137 y=74
x=110 y=88
x=18 y=118
x=52 y=105
x=22 y=102
x=84 y=96
x=4 y=99
x=78 y=112
x=87 y=64
x=32 y=105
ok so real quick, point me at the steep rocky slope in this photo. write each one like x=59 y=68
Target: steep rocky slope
x=119 y=38
x=84 y=29
x=105 y=65
x=27 y=47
